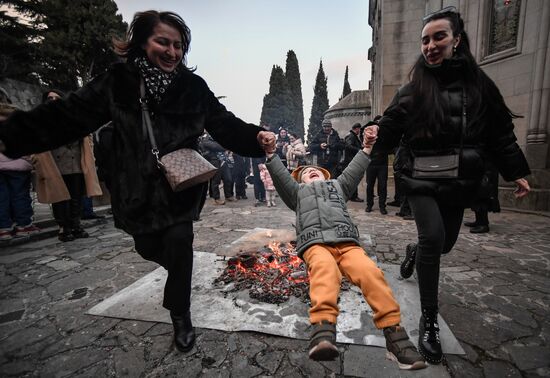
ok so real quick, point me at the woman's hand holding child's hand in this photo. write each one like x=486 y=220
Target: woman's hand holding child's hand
x=267 y=140
x=369 y=138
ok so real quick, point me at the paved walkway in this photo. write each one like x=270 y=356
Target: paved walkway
x=495 y=291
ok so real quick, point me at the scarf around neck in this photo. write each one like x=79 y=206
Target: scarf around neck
x=156 y=80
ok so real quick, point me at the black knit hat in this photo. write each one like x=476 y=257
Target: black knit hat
x=45 y=94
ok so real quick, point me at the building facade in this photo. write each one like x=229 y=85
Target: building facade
x=354 y=108
x=510 y=40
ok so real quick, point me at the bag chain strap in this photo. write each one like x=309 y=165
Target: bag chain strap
x=146 y=119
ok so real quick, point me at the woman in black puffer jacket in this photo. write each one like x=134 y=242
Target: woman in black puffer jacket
x=426 y=118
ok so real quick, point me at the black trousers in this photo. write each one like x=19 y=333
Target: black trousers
x=438 y=226
x=482 y=214
x=379 y=174
x=67 y=213
x=172 y=248
x=223 y=174
x=239 y=180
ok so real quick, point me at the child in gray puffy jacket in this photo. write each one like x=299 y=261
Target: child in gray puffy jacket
x=328 y=241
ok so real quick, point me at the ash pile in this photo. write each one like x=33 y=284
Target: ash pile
x=271 y=274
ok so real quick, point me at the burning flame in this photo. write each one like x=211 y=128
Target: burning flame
x=279 y=260
x=272 y=274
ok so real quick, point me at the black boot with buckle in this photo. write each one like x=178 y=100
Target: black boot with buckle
x=184 y=334
x=429 y=344
x=407 y=266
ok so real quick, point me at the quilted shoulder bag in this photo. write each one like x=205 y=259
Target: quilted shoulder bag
x=441 y=166
x=183 y=168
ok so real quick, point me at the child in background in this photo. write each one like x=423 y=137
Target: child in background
x=328 y=241
x=268 y=185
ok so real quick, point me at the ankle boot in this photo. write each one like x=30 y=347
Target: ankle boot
x=429 y=344
x=184 y=334
x=407 y=266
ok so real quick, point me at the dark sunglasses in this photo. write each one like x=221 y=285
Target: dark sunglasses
x=450 y=9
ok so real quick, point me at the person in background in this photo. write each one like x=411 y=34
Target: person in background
x=283 y=141
x=328 y=146
x=64 y=175
x=487 y=200
x=268 y=185
x=259 y=189
x=295 y=152
x=88 y=209
x=241 y=169
x=449 y=106
x=217 y=156
x=15 y=189
x=144 y=205
x=328 y=241
x=377 y=172
x=405 y=211
x=396 y=202
x=352 y=145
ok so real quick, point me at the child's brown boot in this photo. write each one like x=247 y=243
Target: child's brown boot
x=322 y=345
x=401 y=349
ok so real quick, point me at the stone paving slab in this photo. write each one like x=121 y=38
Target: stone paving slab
x=500 y=316
x=215 y=308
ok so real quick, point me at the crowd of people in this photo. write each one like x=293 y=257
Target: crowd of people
x=64 y=178
x=327 y=150
x=449 y=109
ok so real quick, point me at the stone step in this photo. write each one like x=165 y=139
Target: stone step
x=537 y=199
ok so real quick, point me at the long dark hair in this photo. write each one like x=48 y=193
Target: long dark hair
x=141 y=28
x=483 y=96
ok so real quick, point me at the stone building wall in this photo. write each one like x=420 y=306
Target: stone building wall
x=521 y=71
x=23 y=95
x=352 y=109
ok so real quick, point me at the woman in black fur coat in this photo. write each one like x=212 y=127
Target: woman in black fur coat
x=181 y=107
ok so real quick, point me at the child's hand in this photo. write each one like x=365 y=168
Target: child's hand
x=522 y=188
x=266 y=140
x=369 y=138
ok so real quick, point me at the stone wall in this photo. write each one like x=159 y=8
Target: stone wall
x=23 y=95
x=342 y=121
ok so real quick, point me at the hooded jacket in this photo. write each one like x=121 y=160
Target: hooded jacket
x=142 y=200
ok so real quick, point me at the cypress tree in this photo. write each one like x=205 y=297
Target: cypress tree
x=275 y=110
x=319 y=105
x=347 y=89
x=295 y=86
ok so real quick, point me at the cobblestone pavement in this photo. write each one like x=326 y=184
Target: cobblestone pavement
x=495 y=291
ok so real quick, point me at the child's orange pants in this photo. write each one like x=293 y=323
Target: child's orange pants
x=327 y=263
